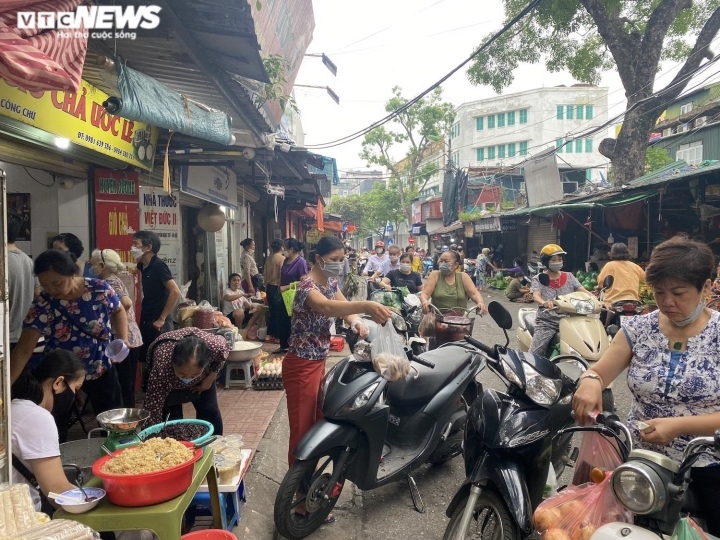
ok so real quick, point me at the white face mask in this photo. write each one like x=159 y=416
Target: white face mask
x=379 y=251
x=693 y=316
x=405 y=268
x=136 y=252
x=394 y=258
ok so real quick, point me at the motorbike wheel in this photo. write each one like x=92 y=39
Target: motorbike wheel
x=452 y=446
x=304 y=483
x=491 y=520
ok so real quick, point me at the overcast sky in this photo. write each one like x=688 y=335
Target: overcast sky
x=377 y=44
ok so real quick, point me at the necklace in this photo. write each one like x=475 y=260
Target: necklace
x=677 y=345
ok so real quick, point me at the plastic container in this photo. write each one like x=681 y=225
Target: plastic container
x=209 y=534
x=148 y=488
x=225 y=469
x=73 y=501
x=157 y=427
x=233 y=441
x=117 y=351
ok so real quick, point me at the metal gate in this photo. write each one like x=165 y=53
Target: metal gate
x=540 y=233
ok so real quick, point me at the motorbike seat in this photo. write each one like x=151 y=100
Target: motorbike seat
x=418 y=388
x=530 y=322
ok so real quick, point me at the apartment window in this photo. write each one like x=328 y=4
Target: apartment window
x=588 y=112
x=588 y=145
x=479 y=154
x=523 y=116
x=569 y=112
x=578 y=146
x=491 y=152
x=511 y=149
x=511 y=118
x=455 y=158
x=523 y=147
x=560 y=112
x=569 y=148
x=479 y=123
x=691 y=153
x=491 y=121
x=455 y=130
x=501 y=120
x=501 y=151
x=684 y=109
x=559 y=145
x=579 y=110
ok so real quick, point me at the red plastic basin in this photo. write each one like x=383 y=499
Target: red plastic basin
x=148 y=488
x=209 y=534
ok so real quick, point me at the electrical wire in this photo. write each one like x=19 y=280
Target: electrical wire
x=54 y=179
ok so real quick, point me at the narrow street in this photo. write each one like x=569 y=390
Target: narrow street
x=387 y=512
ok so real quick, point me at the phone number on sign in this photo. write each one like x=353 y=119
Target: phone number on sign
x=104 y=146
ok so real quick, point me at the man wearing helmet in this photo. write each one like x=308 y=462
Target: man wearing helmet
x=376 y=260
x=547 y=323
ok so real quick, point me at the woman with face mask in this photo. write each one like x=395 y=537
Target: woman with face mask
x=293 y=269
x=404 y=276
x=185 y=364
x=449 y=290
x=673 y=366
x=248 y=266
x=46 y=390
x=547 y=323
x=317 y=301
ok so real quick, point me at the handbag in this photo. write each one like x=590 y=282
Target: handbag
x=288 y=297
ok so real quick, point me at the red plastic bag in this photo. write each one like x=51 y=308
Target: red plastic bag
x=576 y=512
x=596 y=451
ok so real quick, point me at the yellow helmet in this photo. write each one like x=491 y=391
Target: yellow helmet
x=552 y=249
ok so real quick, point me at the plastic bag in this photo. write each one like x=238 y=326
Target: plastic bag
x=687 y=529
x=427 y=325
x=576 y=512
x=388 y=355
x=551 y=483
x=179 y=312
x=596 y=451
x=204 y=316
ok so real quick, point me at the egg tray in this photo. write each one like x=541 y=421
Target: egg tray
x=268 y=383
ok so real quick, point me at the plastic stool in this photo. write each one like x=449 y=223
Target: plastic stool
x=248 y=370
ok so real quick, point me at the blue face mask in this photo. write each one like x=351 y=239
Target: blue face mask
x=187 y=381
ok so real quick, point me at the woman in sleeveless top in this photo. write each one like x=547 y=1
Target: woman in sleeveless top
x=449 y=290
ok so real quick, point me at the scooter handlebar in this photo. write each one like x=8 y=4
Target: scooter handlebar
x=422 y=362
x=480 y=345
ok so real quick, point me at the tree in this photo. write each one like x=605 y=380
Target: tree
x=587 y=37
x=656 y=158
x=370 y=211
x=429 y=117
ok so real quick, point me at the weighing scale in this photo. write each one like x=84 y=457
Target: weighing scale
x=120 y=424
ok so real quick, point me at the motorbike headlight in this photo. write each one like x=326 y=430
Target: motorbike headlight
x=541 y=389
x=363 y=397
x=638 y=488
x=511 y=375
x=416 y=316
x=583 y=307
x=399 y=323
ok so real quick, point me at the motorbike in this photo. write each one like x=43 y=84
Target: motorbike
x=361 y=262
x=581 y=333
x=427 y=266
x=533 y=266
x=375 y=432
x=512 y=438
x=620 y=310
x=469 y=267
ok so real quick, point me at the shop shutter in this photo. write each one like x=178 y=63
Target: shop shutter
x=37 y=157
x=540 y=233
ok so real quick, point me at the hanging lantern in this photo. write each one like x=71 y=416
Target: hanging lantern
x=211 y=218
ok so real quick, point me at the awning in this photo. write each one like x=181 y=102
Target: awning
x=38 y=59
x=455 y=226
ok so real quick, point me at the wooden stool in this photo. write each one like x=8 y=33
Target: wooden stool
x=247 y=367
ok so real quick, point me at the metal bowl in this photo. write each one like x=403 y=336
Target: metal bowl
x=122 y=419
x=244 y=350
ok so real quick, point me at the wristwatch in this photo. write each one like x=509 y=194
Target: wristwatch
x=589 y=375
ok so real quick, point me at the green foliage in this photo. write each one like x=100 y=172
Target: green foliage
x=656 y=158
x=276 y=67
x=370 y=211
x=470 y=216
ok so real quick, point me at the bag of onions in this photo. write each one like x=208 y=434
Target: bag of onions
x=576 y=512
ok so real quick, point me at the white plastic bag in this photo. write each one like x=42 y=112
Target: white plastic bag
x=388 y=355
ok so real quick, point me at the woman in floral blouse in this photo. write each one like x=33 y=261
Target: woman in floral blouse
x=673 y=361
x=74 y=313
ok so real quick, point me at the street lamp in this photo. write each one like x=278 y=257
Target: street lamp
x=327 y=62
x=332 y=94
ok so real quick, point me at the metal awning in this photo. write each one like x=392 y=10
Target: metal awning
x=455 y=226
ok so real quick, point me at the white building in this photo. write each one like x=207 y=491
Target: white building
x=505 y=130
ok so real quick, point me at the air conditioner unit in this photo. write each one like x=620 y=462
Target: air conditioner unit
x=682 y=128
x=700 y=121
x=667 y=132
x=522 y=188
x=569 y=187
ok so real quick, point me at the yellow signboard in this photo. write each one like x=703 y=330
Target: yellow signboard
x=81 y=119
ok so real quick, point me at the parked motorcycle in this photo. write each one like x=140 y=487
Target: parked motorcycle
x=375 y=432
x=581 y=331
x=512 y=438
x=361 y=262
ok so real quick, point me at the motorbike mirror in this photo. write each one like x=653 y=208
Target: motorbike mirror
x=608 y=282
x=544 y=279
x=500 y=315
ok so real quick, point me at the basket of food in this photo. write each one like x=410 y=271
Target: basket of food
x=155 y=471
x=190 y=429
x=452 y=327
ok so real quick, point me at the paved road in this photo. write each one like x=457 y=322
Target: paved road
x=387 y=512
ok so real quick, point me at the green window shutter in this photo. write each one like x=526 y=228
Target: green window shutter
x=579 y=112
x=560 y=109
x=588 y=173
x=511 y=118
x=523 y=116
x=569 y=148
x=501 y=120
x=480 y=154
x=578 y=146
x=588 y=112
x=559 y=145
x=501 y=151
x=511 y=149
x=588 y=145
x=523 y=148
x=491 y=121
x=479 y=123
x=491 y=152
x=569 y=112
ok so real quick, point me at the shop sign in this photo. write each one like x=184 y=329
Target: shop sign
x=117 y=216
x=488 y=225
x=214 y=184
x=469 y=230
x=81 y=119
x=509 y=224
x=160 y=213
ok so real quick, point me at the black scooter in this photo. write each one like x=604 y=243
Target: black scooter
x=512 y=438
x=375 y=432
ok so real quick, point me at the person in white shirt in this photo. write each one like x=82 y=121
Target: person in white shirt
x=376 y=260
x=392 y=262
x=47 y=389
x=22 y=283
